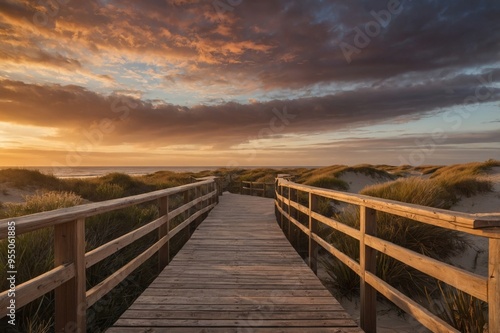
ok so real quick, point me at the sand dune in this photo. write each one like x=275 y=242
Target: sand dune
x=358 y=181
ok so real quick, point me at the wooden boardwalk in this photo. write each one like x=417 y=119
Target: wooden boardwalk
x=237 y=273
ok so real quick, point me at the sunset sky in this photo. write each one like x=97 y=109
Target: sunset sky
x=248 y=82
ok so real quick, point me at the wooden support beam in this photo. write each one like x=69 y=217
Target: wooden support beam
x=164 y=252
x=368 y=263
x=494 y=285
x=313 y=228
x=70 y=298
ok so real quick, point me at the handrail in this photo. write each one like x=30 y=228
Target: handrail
x=256 y=188
x=486 y=225
x=68 y=278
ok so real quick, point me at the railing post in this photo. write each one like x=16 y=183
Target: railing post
x=188 y=212
x=290 y=215
x=70 y=298
x=282 y=203
x=313 y=226
x=251 y=189
x=264 y=190
x=218 y=187
x=297 y=232
x=368 y=263
x=494 y=285
x=164 y=251
x=241 y=187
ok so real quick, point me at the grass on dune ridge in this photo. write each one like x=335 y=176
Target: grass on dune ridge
x=442 y=190
x=35 y=255
x=444 y=187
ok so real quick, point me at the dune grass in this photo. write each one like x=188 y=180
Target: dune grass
x=330 y=177
x=429 y=240
x=23 y=178
x=435 y=242
x=461 y=310
x=465 y=170
x=327 y=182
x=35 y=254
x=444 y=188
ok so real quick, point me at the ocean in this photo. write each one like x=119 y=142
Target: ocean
x=87 y=172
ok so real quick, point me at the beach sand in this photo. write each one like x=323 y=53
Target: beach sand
x=10 y=194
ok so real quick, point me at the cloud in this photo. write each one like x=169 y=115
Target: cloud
x=179 y=72
x=281 y=44
x=74 y=109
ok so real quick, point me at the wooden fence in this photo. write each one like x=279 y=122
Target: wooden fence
x=486 y=225
x=68 y=278
x=260 y=189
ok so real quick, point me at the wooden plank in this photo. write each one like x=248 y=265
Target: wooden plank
x=37 y=287
x=232 y=315
x=424 y=316
x=283 y=284
x=313 y=229
x=468 y=282
x=163 y=230
x=234 y=300
x=104 y=287
x=242 y=307
x=248 y=328
x=439 y=217
x=348 y=261
x=494 y=285
x=104 y=251
x=37 y=221
x=368 y=264
x=70 y=301
x=235 y=323
x=224 y=292
x=230 y=273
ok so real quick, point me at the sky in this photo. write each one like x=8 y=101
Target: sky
x=248 y=82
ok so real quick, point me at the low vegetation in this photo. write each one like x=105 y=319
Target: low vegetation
x=22 y=178
x=441 y=187
x=35 y=254
x=432 y=241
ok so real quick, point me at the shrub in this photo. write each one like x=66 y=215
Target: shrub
x=35 y=254
x=331 y=183
x=459 y=309
x=422 y=238
x=107 y=191
x=41 y=202
x=464 y=185
x=23 y=178
x=468 y=169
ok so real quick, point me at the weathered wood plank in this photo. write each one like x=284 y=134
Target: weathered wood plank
x=233 y=277
x=234 y=291
x=236 y=323
x=243 y=307
x=233 y=315
x=252 y=329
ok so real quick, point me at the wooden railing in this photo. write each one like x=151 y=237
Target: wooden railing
x=260 y=189
x=486 y=289
x=68 y=278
